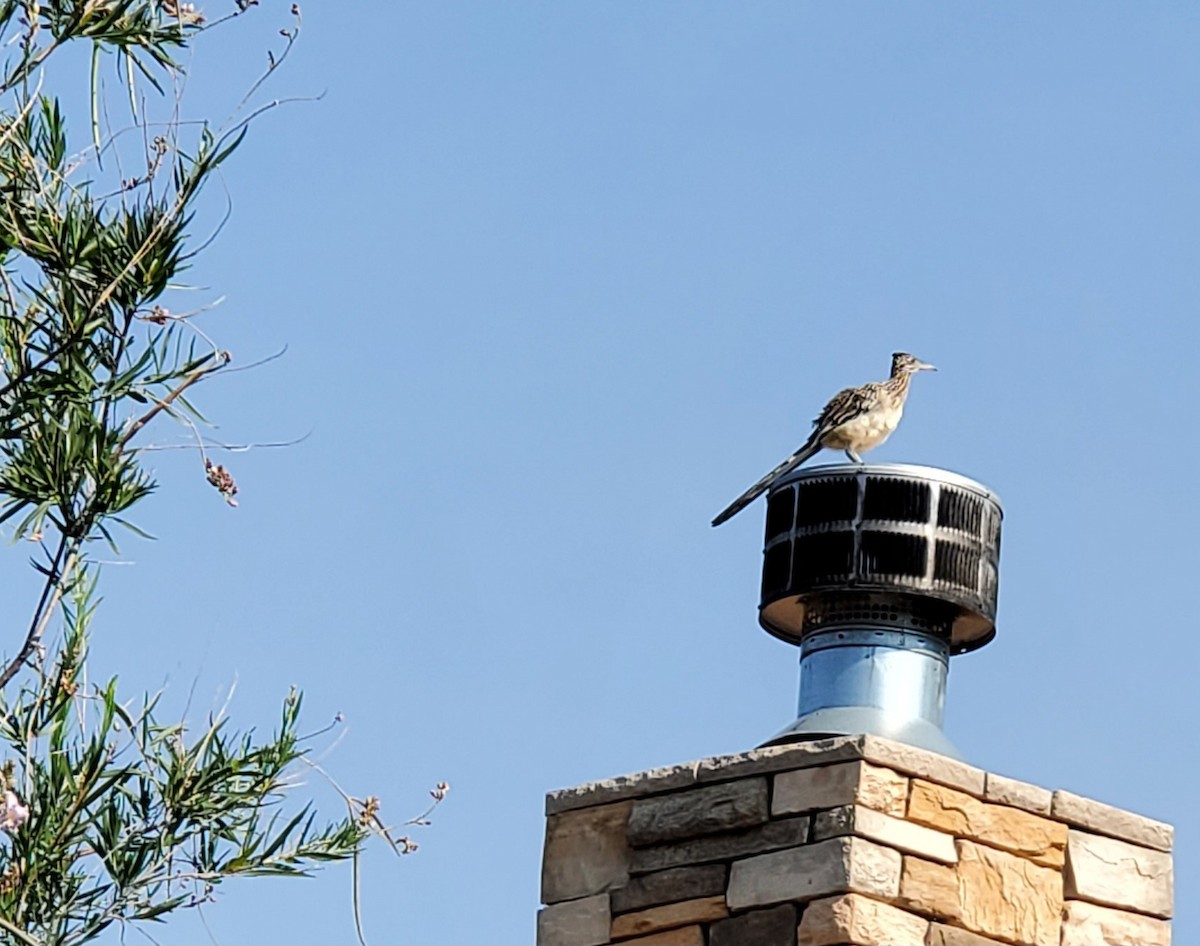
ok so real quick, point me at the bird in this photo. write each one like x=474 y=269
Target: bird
x=854 y=420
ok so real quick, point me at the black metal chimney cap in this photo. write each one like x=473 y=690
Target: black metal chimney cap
x=877 y=539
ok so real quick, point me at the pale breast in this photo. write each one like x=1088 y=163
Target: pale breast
x=863 y=432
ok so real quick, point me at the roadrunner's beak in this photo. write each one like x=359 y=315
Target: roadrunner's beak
x=921 y=366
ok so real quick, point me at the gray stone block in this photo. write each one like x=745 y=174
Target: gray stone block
x=716 y=769
x=840 y=865
x=582 y=922
x=771 y=836
x=669 y=886
x=773 y=927
x=699 y=811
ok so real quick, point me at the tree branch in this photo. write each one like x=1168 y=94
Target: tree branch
x=51 y=592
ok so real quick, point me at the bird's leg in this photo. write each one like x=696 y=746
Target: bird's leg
x=854 y=457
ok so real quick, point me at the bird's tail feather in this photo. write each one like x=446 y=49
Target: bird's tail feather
x=811 y=447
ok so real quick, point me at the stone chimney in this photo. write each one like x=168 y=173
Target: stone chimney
x=857 y=824
x=851 y=839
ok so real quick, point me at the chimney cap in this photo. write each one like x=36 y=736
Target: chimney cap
x=898 y=544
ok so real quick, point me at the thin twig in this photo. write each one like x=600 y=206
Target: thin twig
x=187 y=382
x=51 y=593
x=211 y=444
x=257 y=364
x=273 y=63
x=273 y=104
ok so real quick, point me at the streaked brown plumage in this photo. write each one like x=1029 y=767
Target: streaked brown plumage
x=855 y=420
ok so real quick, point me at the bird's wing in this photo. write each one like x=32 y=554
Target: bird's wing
x=847 y=405
x=844 y=406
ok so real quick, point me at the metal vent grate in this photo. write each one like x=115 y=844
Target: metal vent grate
x=826 y=501
x=777 y=569
x=956 y=565
x=892 y=553
x=896 y=500
x=781 y=512
x=960 y=510
x=917 y=531
x=820 y=558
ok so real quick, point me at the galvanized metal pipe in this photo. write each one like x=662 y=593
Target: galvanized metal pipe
x=900 y=673
x=873 y=680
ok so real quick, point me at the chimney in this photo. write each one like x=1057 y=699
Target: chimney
x=859 y=823
x=879 y=574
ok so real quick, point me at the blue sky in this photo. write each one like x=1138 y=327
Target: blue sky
x=557 y=281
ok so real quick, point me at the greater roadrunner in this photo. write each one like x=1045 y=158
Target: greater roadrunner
x=855 y=420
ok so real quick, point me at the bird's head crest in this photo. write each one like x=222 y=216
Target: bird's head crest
x=904 y=363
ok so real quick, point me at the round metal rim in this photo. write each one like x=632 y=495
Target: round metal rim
x=833 y=637
x=890 y=469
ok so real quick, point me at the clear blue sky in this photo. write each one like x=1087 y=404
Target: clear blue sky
x=557 y=282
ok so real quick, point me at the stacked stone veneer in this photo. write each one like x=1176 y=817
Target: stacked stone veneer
x=850 y=840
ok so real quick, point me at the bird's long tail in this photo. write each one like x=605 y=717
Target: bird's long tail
x=809 y=448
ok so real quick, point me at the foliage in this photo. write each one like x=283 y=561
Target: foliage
x=110 y=814
x=130 y=819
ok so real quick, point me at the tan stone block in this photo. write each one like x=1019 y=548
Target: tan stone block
x=1119 y=874
x=924 y=764
x=852 y=918
x=581 y=922
x=1086 y=924
x=848 y=783
x=1115 y=822
x=894 y=832
x=700 y=910
x=942 y=935
x=585 y=852
x=929 y=888
x=1008 y=897
x=682 y=936
x=1041 y=840
x=1008 y=791
x=839 y=865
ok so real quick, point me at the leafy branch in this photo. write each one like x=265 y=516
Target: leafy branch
x=109 y=815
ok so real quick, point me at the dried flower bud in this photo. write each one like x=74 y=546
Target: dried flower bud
x=370 y=811
x=14 y=815
x=222 y=479
x=185 y=12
